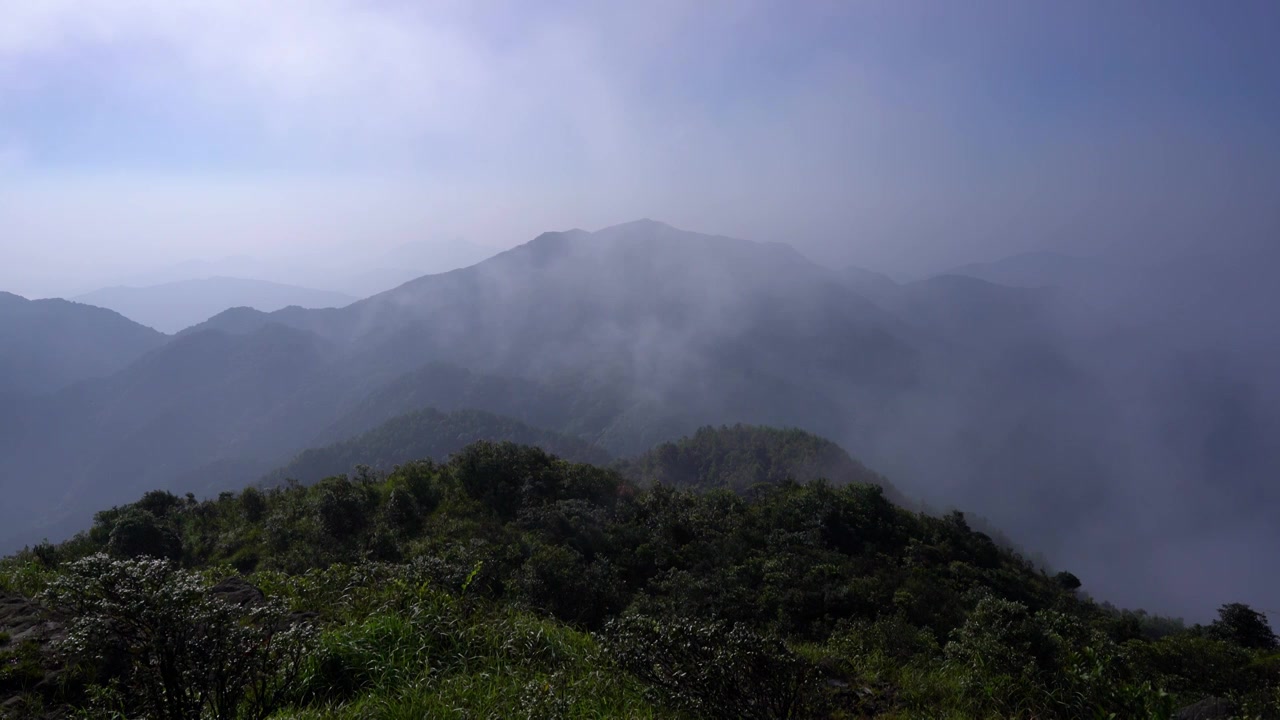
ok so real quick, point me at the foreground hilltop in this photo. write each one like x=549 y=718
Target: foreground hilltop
x=506 y=582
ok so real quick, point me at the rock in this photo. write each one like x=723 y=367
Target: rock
x=24 y=620
x=1210 y=708
x=18 y=615
x=238 y=591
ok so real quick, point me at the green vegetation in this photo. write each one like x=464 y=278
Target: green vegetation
x=509 y=583
x=427 y=434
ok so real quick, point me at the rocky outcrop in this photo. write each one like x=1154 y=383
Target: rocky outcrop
x=238 y=591
x=27 y=637
x=1210 y=708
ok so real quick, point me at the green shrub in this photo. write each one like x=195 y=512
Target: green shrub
x=712 y=669
x=138 y=533
x=169 y=647
x=21 y=667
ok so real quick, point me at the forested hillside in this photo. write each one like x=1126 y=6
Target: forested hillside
x=509 y=583
x=426 y=434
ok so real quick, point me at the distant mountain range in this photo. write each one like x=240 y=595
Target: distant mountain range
x=354 y=271
x=1027 y=405
x=175 y=306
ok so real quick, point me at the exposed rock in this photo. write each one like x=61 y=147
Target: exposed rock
x=19 y=617
x=238 y=591
x=1210 y=708
x=30 y=628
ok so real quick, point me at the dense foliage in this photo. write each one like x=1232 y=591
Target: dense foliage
x=509 y=583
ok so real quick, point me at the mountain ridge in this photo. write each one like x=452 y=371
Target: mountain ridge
x=965 y=394
x=175 y=306
x=49 y=344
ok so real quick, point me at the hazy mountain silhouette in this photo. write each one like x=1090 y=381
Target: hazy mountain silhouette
x=240 y=266
x=1018 y=403
x=172 y=307
x=644 y=332
x=49 y=344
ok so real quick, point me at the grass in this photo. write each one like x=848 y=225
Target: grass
x=503 y=664
x=402 y=649
x=25 y=577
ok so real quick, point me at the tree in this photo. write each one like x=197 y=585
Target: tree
x=138 y=533
x=159 y=502
x=402 y=512
x=253 y=503
x=1240 y=624
x=342 y=507
x=1067 y=581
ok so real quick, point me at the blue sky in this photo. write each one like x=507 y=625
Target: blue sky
x=908 y=136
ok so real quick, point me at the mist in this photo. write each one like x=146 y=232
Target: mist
x=351 y=148
x=900 y=140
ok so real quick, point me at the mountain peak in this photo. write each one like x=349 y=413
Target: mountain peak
x=643 y=224
x=239 y=320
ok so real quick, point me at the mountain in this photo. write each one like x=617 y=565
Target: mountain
x=1028 y=405
x=628 y=336
x=240 y=266
x=49 y=344
x=872 y=284
x=678 y=324
x=683 y=318
x=569 y=406
x=174 y=306
x=427 y=434
x=196 y=400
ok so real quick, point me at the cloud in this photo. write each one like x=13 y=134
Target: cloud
x=365 y=75
x=881 y=135
x=330 y=63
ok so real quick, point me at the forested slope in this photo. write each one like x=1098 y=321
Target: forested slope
x=426 y=434
x=509 y=583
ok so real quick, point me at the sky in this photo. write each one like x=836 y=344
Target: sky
x=903 y=136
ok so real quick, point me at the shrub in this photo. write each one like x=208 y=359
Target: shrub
x=712 y=669
x=172 y=649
